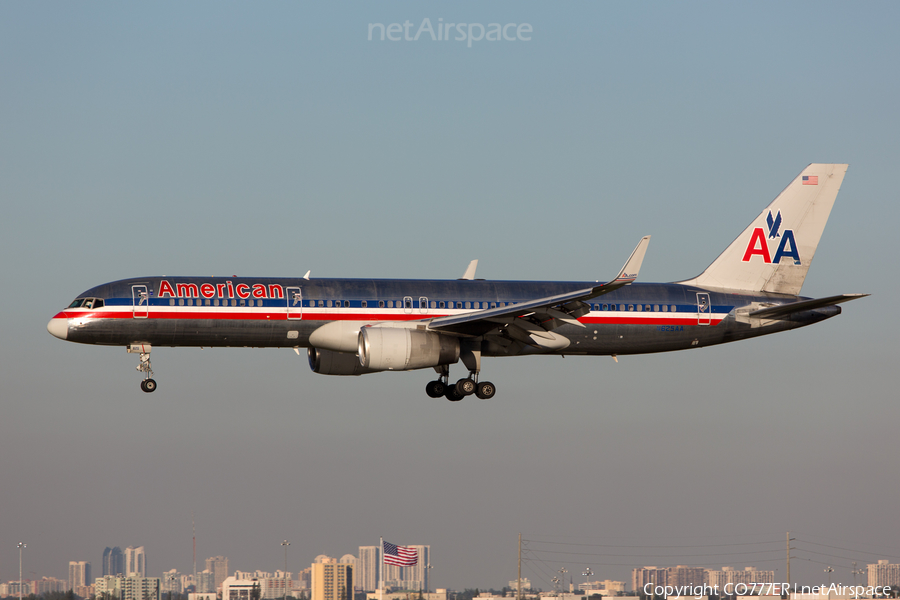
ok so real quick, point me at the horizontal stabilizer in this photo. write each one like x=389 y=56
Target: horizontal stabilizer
x=782 y=310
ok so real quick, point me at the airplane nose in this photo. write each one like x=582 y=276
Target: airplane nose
x=58 y=328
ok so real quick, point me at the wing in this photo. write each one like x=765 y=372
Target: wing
x=531 y=322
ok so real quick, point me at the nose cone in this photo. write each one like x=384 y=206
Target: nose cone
x=58 y=327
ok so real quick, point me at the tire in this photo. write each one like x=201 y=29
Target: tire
x=435 y=389
x=465 y=387
x=149 y=385
x=452 y=395
x=485 y=390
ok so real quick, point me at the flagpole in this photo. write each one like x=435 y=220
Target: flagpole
x=381 y=570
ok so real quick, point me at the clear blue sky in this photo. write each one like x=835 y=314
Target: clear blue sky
x=270 y=138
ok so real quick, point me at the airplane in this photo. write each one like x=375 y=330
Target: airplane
x=362 y=326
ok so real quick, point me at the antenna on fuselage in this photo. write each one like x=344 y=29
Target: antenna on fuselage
x=306 y=277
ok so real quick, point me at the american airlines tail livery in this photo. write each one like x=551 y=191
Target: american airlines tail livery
x=361 y=326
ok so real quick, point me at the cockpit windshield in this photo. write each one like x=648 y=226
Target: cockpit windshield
x=87 y=303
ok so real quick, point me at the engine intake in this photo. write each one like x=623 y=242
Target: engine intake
x=404 y=349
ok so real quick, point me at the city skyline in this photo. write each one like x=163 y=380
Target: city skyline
x=879 y=571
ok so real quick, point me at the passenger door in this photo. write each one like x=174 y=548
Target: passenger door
x=704 y=310
x=140 y=301
x=294 y=297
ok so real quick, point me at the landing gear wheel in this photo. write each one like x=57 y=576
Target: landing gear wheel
x=465 y=387
x=435 y=389
x=485 y=390
x=148 y=385
x=452 y=395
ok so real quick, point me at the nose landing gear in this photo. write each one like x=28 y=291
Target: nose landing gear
x=148 y=384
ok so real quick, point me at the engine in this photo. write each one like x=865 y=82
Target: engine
x=327 y=362
x=404 y=349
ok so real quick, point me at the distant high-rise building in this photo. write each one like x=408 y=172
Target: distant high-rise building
x=206 y=582
x=681 y=576
x=218 y=566
x=366 y=574
x=135 y=561
x=747 y=575
x=79 y=573
x=45 y=585
x=127 y=588
x=883 y=573
x=645 y=575
x=332 y=580
x=113 y=561
x=171 y=582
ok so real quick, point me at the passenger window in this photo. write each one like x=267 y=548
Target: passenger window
x=450 y=304
x=442 y=304
x=647 y=308
x=493 y=305
x=621 y=307
x=673 y=309
x=408 y=303
x=321 y=304
x=468 y=305
x=656 y=308
x=364 y=304
x=665 y=308
x=181 y=302
x=242 y=302
x=207 y=301
x=234 y=302
x=434 y=304
x=346 y=304
x=639 y=308
x=381 y=304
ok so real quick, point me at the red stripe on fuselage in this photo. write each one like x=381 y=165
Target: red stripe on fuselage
x=262 y=315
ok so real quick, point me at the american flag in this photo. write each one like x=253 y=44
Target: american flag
x=810 y=180
x=401 y=556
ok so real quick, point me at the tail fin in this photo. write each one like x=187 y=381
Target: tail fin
x=774 y=253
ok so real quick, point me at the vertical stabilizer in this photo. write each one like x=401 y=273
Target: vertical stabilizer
x=774 y=253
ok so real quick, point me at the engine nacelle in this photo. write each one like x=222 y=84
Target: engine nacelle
x=404 y=349
x=326 y=362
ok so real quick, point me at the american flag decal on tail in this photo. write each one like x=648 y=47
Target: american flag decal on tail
x=810 y=180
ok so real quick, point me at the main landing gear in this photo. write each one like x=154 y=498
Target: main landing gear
x=148 y=384
x=461 y=389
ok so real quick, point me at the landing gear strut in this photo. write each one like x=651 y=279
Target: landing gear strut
x=148 y=384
